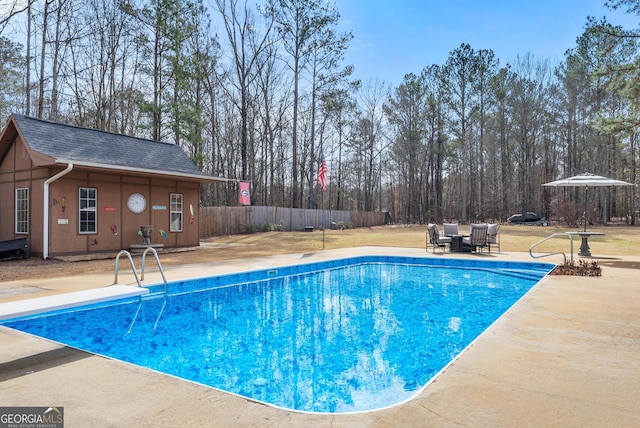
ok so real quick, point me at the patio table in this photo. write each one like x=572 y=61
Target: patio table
x=457 y=246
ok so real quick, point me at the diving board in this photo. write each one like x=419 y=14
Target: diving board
x=39 y=305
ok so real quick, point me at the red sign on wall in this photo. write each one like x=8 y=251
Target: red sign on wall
x=110 y=209
x=244 y=197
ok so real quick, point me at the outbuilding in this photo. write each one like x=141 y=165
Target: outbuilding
x=73 y=190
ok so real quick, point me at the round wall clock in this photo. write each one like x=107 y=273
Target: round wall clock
x=136 y=203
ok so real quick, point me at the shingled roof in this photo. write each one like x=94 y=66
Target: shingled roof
x=64 y=144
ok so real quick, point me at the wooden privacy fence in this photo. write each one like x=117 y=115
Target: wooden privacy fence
x=219 y=221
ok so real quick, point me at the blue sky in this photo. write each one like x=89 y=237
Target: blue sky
x=395 y=37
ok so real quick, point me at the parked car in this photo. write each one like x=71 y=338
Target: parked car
x=528 y=218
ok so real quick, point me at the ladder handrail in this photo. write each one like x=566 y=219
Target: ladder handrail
x=558 y=252
x=133 y=267
x=155 y=254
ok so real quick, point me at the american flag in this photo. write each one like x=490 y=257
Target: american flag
x=322 y=173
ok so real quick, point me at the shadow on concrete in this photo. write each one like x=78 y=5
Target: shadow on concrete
x=620 y=264
x=39 y=362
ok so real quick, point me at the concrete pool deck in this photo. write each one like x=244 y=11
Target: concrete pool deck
x=568 y=354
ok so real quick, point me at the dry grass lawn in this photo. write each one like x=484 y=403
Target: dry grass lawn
x=618 y=241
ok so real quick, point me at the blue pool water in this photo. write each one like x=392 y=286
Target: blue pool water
x=341 y=336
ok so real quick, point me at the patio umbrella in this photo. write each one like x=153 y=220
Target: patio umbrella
x=587 y=180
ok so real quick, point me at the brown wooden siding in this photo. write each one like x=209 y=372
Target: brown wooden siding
x=117 y=227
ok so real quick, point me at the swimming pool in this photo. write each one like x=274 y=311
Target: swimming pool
x=339 y=336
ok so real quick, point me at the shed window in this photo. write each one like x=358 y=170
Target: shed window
x=87 y=215
x=176 y=212
x=22 y=210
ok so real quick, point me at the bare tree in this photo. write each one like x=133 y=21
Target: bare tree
x=500 y=180
x=300 y=23
x=405 y=110
x=530 y=109
x=43 y=51
x=437 y=138
x=459 y=77
x=12 y=9
x=272 y=115
x=486 y=67
x=246 y=45
x=371 y=98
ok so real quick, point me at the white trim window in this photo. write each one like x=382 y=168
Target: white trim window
x=175 y=212
x=87 y=203
x=22 y=210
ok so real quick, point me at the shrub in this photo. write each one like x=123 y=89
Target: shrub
x=583 y=268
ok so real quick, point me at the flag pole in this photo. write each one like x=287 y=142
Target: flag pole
x=322 y=205
x=323 y=227
x=322 y=182
x=330 y=202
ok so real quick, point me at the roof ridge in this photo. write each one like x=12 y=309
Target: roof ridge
x=52 y=122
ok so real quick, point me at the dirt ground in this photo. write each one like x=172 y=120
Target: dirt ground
x=36 y=267
x=210 y=250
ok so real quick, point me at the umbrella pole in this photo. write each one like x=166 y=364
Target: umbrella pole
x=586 y=189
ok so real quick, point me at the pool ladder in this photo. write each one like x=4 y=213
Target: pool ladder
x=133 y=267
